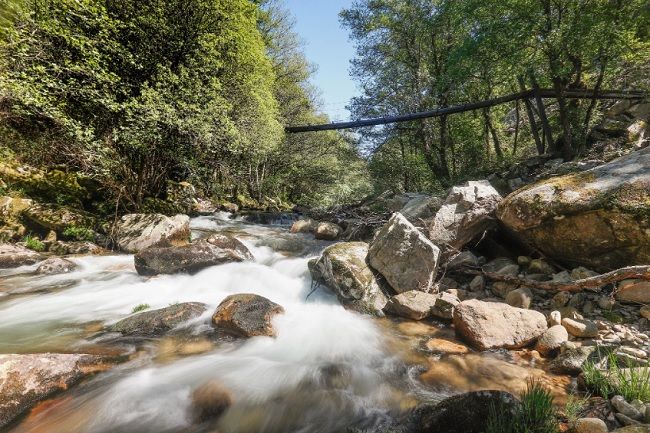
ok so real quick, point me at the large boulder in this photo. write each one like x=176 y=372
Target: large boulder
x=404 y=256
x=55 y=265
x=27 y=379
x=421 y=207
x=342 y=267
x=12 y=256
x=467 y=212
x=136 y=232
x=46 y=217
x=246 y=315
x=633 y=291
x=187 y=258
x=599 y=218
x=230 y=243
x=491 y=325
x=157 y=322
x=464 y=413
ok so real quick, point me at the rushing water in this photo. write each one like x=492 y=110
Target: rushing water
x=328 y=368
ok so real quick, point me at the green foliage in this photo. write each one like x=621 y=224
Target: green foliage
x=632 y=382
x=34 y=243
x=574 y=408
x=535 y=414
x=79 y=233
x=140 y=307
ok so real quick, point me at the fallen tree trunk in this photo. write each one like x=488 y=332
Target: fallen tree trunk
x=630 y=272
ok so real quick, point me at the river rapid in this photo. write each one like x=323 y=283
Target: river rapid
x=328 y=370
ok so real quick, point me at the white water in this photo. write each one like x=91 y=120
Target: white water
x=278 y=384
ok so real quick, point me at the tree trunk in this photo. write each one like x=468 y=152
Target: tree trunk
x=531 y=119
x=567 y=148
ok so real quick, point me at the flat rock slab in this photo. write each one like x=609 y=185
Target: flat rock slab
x=246 y=315
x=157 y=322
x=12 y=256
x=27 y=379
x=492 y=325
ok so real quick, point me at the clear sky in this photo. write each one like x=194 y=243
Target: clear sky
x=327 y=46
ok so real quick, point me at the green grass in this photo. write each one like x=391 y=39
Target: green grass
x=574 y=408
x=632 y=383
x=34 y=243
x=79 y=233
x=535 y=414
x=140 y=307
x=612 y=317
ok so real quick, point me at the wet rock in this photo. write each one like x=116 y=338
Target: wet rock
x=210 y=401
x=342 y=267
x=633 y=291
x=590 y=425
x=592 y=218
x=520 y=298
x=404 y=256
x=55 y=265
x=468 y=212
x=487 y=325
x=65 y=248
x=327 y=231
x=625 y=408
x=571 y=360
x=12 y=256
x=185 y=259
x=580 y=328
x=246 y=315
x=136 y=232
x=440 y=345
x=158 y=322
x=551 y=340
x=27 y=379
x=444 y=306
x=303 y=226
x=413 y=304
x=230 y=243
x=464 y=413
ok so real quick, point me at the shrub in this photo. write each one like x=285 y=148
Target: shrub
x=33 y=243
x=79 y=233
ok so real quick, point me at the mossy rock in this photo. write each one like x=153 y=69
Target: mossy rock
x=599 y=218
x=42 y=218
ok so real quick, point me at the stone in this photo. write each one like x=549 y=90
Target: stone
x=622 y=406
x=421 y=207
x=554 y=318
x=571 y=360
x=45 y=217
x=413 y=304
x=520 y=298
x=634 y=429
x=303 y=226
x=561 y=277
x=477 y=284
x=487 y=325
x=633 y=291
x=440 y=345
x=137 y=232
x=464 y=413
x=55 y=265
x=580 y=328
x=502 y=288
x=560 y=299
x=158 y=322
x=246 y=315
x=590 y=425
x=645 y=312
x=540 y=266
x=523 y=260
x=577 y=300
x=580 y=273
x=468 y=211
x=210 y=401
x=626 y=420
x=464 y=259
x=501 y=266
x=606 y=302
x=404 y=256
x=342 y=267
x=594 y=218
x=551 y=341
x=231 y=243
x=444 y=306
x=12 y=256
x=27 y=379
x=327 y=231
x=65 y=248
x=189 y=259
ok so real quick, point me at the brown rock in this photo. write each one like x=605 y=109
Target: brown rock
x=12 y=256
x=327 y=231
x=246 y=315
x=210 y=401
x=441 y=345
x=413 y=304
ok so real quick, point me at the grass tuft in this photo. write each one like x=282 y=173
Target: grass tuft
x=535 y=414
x=34 y=243
x=140 y=307
x=632 y=383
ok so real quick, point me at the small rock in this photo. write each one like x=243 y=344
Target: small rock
x=327 y=231
x=577 y=300
x=444 y=305
x=502 y=288
x=633 y=291
x=502 y=266
x=157 y=322
x=136 y=232
x=561 y=277
x=554 y=318
x=633 y=351
x=580 y=273
x=625 y=408
x=551 y=340
x=55 y=265
x=440 y=345
x=523 y=260
x=580 y=328
x=560 y=299
x=571 y=359
x=210 y=401
x=303 y=226
x=413 y=304
x=626 y=420
x=520 y=298
x=645 y=311
x=463 y=259
x=478 y=284
x=606 y=302
x=590 y=425
x=540 y=266
x=246 y=315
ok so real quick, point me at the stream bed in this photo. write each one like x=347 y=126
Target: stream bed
x=327 y=370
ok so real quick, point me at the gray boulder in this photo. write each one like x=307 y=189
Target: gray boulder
x=55 y=265
x=404 y=256
x=246 y=315
x=421 y=207
x=12 y=256
x=157 y=322
x=136 y=232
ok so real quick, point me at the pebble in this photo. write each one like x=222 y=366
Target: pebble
x=554 y=318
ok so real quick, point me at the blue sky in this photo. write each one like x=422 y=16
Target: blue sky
x=327 y=46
